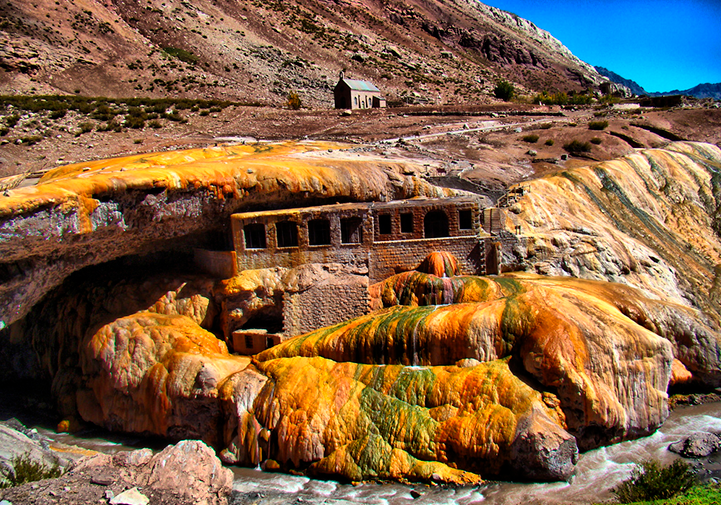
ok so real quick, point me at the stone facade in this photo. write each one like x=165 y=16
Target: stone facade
x=386 y=238
x=371 y=241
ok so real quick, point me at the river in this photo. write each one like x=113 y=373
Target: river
x=597 y=472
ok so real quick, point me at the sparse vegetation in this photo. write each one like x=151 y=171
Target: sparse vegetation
x=598 y=125
x=596 y=141
x=504 y=90
x=577 y=147
x=182 y=55
x=651 y=481
x=85 y=127
x=294 y=101
x=24 y=470
x=549 y=142
x=561 y=98
x=530 y=138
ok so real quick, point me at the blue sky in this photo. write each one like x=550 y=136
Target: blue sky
x=662 y=45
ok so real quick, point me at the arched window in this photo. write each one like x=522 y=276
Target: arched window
x=435 y=224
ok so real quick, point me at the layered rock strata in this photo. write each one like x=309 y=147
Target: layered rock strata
x=650 y=220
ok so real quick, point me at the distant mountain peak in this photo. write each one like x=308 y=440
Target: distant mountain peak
x=614 y=77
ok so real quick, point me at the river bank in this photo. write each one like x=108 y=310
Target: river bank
x=597 y=472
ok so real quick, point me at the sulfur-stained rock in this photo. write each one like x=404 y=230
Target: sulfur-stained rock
x=154 y=373
x=606 y=349
x=649 y=220
x=368 y=421
x=94 y=212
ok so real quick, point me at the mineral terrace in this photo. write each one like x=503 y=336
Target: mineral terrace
x=280 y=302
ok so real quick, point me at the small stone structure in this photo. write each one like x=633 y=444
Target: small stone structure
x=371 y=241
x=356 y=94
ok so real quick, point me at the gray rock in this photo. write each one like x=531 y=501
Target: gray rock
x=698 y=445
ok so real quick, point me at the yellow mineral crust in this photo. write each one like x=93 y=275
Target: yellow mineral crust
x=369 y=421
x=647 y=220
x=226 y=171
x=155 y=373
x=605 y=349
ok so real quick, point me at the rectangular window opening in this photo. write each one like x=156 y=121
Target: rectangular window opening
x=407 y=223
x=384 y=224
x=249 y=341
x=351 y=230
x=254 y=236
x=465 y=219
x=319 y=232
x=286 y=233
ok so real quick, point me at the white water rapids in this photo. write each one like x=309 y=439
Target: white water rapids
x=597 y=472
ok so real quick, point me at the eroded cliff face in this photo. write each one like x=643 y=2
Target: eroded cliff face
x=650 y=220
x=90 y=213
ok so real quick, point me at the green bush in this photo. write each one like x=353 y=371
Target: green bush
x=597 y=125
x=293 y=101
x=530 y=138
x=549 y=142
x=596 y=140
x=504 y=90
x=58 y=114
x=651 y=481
x=86 y=127
x=12 y=120
x=576 y=147
x=182 y=55
x=26 y=470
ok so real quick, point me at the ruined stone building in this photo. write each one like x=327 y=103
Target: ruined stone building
x=353 y=245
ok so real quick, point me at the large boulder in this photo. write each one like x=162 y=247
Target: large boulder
x=188 y=473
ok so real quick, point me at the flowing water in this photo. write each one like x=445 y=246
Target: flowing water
x=597 y=472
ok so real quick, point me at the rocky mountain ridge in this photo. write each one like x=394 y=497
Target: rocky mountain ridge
x=431 y=51
x=705 y=90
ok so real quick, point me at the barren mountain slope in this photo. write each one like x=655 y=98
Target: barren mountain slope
x=419 y=50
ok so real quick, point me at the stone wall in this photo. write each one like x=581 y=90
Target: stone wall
x=221 y=264
x=392 y=257
x=336 y=300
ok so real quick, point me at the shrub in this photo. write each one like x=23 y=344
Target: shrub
x=31 y=140
x=155 y=124
x=504 y=90
x=597 y=125
x=596 y=140
x=58 y=114
x=651 y=481
x=549 y=142
x=86 y=127
x=293 y=101
x=182 y=55
x=12 y=120
x=531 y=138
x=25 y=470
x=576 y=147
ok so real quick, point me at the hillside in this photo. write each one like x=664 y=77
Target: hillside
x=427 y=51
